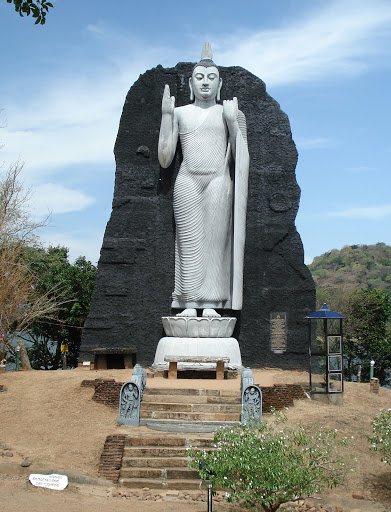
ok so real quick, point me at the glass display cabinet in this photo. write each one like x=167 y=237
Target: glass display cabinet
x=326 y=352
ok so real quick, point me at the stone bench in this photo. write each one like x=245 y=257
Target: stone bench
x=174 y=360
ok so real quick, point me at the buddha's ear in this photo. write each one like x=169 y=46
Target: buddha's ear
x=191 y=89
x=219 y=89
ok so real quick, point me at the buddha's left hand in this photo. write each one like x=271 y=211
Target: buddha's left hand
x=230 y=110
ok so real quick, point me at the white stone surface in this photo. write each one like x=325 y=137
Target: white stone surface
x=198 y=327
x=211 y=347
x=53 y=481
x=210 y=217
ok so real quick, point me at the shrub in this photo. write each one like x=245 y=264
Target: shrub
x=381 y=439
x=266 y=465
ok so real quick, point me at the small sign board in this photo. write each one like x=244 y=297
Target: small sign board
x=278 y=327
x=53 y=481
x=64 y=348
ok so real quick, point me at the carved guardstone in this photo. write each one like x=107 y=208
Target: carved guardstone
x=136 y=267
x=129 y=405
x=251 y=405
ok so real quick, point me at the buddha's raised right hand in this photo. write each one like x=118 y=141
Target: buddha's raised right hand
x=168 y=102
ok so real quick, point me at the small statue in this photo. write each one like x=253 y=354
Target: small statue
x=210 y=197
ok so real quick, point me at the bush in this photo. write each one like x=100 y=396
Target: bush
x=381 y=439
x=266 y=465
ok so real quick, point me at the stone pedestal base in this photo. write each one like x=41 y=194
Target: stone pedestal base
x=208 y=347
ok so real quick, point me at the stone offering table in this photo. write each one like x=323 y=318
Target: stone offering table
x=174 y=360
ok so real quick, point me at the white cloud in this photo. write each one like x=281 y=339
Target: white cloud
x=78 y=243
x=52 y=198
x=70 y=117
x=365 y=212
x=313 y=143
x=336 y=41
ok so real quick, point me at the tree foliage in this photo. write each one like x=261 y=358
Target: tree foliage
x=354 y=267
x=21 y=302
x=75 y=281
x=366 y=328
x=37 y=9
x=266 y=465
x=356 y=282
x=367 y=339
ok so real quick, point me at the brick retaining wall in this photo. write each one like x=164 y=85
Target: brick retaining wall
x=111 y=458
x=280 y=396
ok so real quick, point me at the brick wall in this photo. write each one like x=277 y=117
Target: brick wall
x=111 y=458
x=106 y=391
x=280 y=396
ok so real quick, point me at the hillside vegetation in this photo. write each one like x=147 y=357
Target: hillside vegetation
x=354 y=267
x=356 y=282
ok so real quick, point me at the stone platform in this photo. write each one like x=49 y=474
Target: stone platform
x=188 y=347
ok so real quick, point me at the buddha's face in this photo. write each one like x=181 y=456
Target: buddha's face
x=205 y=82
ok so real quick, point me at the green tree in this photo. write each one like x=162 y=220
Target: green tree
x=367 y=313
x=75 y=282
x=354 y=267
x=266 y=466
x=366 y=328
x=21 y=301
x=37 y=9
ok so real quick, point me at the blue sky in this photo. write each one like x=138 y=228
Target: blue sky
x=327 y=63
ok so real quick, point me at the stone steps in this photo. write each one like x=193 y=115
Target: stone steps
x=155 y=462
x=175 y=407
x=171 y=473
x=154 y=451
x=189 y=416
x=188 y=392
x=194 y=405
x=177 y=485
x=157 y=441
x=160 y=462
x=194 y=399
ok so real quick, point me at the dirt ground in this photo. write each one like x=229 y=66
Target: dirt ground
x=48 y=419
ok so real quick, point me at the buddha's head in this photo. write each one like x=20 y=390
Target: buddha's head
x=205 y=82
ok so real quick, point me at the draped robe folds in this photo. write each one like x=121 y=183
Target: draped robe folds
x=210 y=216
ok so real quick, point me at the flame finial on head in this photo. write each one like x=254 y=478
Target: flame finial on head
x=206 y=57
x=206 y=53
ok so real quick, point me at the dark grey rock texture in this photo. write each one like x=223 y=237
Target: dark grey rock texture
x=136 y=268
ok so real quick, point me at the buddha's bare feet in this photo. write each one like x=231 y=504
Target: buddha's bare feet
x=188 y=312
x=210 y=313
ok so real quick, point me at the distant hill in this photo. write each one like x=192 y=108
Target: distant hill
x=354 y=267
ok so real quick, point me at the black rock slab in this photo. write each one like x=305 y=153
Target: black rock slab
x=136 y=267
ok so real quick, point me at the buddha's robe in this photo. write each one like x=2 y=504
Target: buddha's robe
x=208 y=259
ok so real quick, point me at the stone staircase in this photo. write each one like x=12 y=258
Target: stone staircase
x=190 y=405
x=146 y=458
x=160 y=462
